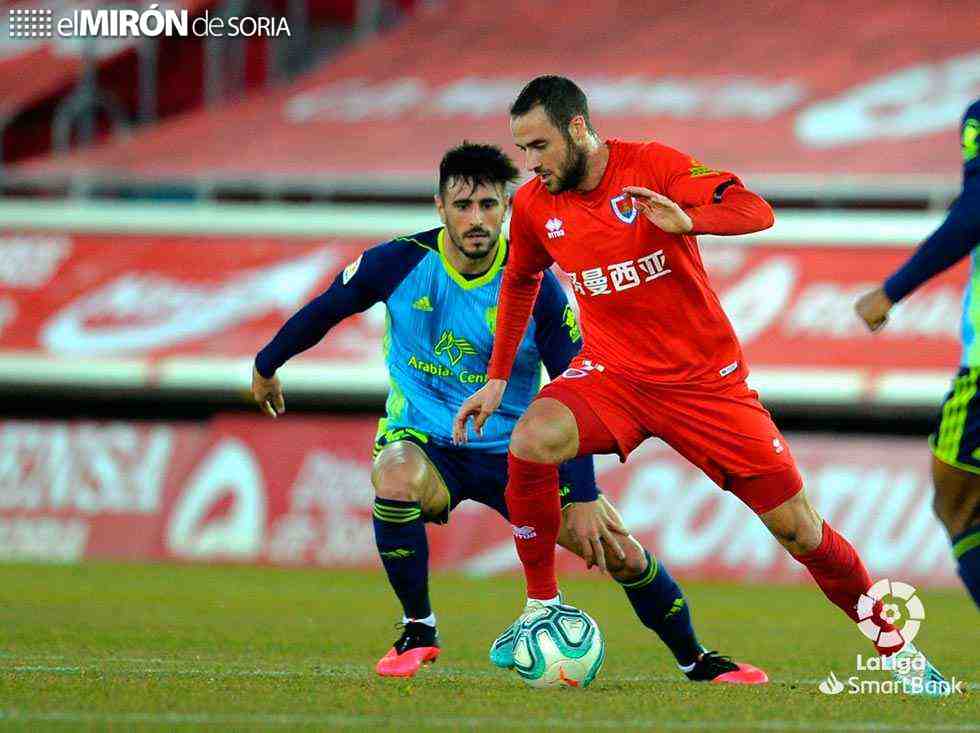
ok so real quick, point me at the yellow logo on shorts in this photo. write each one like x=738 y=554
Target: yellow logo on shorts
x=569 y=322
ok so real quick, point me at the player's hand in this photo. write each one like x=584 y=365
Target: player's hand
x=659 y=209
x=591 y=525
x=268 y=393
x=873 y=308
x=480 y=406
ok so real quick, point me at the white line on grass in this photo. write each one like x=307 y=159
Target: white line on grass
x=232 y=670
x=443 y=721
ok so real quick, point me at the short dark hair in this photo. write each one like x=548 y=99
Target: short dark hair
x=560 y=97
x=477 y=163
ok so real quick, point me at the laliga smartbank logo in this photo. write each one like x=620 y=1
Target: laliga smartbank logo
x=128 y=22
x=910 y=678
x=831 y=685
x=898 y=604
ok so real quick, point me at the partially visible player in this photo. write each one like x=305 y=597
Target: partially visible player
x=660 y=357
x=440 y=288
x=956 y=442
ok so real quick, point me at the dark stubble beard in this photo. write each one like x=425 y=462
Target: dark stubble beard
x=479 y=254
x=574 y=168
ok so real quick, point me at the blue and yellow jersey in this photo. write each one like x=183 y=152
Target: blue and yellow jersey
x=970 y=323
x=958 y=236
x=438 y=335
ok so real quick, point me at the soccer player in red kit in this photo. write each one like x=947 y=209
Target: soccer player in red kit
x=660 y=357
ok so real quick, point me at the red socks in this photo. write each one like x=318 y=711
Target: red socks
x=838 y=570
x=535 y=517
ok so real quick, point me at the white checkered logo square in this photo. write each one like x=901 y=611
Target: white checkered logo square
x=30 y=23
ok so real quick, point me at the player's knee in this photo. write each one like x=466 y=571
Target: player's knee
x=802 y=537
x=526 y=441
x=796 y=525
x=540 y=438
x=797 y=542
x=956 y=500
x=398 y=476
x=396 y=484
x=630 y=568
x=958 y=508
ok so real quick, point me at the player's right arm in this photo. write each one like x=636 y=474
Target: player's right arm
x=952 y=241
x=526 y=262
x=364 y=282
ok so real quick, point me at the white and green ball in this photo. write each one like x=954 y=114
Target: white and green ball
x=558 y=646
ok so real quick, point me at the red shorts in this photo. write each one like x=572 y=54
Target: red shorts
x=721 y=428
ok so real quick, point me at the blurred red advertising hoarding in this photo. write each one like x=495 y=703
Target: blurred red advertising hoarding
x=297 y=491
x=156 y=301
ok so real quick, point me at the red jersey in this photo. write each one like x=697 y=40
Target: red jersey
x=647 y=307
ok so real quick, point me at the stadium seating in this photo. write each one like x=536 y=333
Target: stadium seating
x=830 y=112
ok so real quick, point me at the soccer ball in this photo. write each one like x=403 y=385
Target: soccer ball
x=558 y=646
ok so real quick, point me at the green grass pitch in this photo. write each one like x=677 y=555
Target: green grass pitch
x=164 y=647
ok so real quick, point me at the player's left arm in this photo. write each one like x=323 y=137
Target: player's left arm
x=951 y=242
x=696 y=199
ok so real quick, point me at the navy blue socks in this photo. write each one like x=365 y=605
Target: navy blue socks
x=400 y=535
x=661 y=606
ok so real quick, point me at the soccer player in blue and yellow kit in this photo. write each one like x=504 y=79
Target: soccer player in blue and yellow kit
x=440 y=289
x=956 y=442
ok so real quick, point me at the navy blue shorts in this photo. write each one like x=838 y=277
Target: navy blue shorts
x=472 y=474
x=956 y=440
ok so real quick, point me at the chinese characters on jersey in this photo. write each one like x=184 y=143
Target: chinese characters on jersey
x=621 y=275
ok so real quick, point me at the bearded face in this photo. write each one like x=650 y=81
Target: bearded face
x=550 y=153
x=572 y=169
x=473 y=213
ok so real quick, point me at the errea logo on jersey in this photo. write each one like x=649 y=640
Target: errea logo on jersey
x=555 y=228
